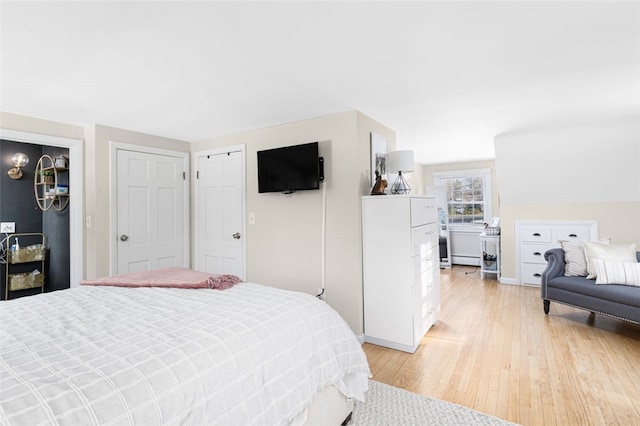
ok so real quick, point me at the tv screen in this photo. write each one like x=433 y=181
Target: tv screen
x=289 y=169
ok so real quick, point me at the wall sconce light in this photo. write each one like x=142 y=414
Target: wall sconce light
x=401 y=161
x=19 y=160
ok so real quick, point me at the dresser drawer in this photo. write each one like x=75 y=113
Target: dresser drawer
x=534 y=253
x=571 y=233
x=532 y=273
x=419 y=239
x=424 y=238
x=539 y=234
x=433 y=234
x=423 y=211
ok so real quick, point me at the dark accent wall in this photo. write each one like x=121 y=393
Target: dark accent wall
x=18 y=204
x=55 y=225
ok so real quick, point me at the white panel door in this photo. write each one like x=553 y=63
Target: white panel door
x=220 y=214
x=151 y=216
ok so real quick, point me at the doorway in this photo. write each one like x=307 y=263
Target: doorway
x=69 y=231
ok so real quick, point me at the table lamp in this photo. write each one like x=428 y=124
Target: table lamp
x=401 y=161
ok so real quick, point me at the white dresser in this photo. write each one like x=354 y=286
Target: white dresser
x=534 y=238
x=400 y=269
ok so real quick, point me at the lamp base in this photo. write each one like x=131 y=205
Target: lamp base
x=400 y=185
x=15 y=173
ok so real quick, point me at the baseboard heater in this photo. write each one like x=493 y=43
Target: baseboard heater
x=465 y=260
x=465 y=247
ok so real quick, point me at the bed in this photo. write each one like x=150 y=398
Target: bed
x=104 y=355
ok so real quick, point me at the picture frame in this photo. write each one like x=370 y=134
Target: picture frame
x=379 y=155
x=495 y=222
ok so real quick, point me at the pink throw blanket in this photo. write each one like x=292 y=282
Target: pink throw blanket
x=168 y=277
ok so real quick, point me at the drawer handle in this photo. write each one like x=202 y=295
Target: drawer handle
x=536 y=234
x=428 y=233
x=537 y=275
x=573 y=236
x=537 y=253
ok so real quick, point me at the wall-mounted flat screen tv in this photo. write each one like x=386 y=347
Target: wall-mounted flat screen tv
x=290 y=168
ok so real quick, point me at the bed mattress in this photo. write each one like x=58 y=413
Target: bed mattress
x=250 y=354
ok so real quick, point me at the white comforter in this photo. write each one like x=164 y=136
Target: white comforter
x=149 y=356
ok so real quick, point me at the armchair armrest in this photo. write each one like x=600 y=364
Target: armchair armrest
x=555 y=268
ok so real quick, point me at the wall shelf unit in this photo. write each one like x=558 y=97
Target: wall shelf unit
x=48 y=192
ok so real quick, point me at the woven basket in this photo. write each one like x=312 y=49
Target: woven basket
x=33 y=253
x=492 y=231
x=23 y=281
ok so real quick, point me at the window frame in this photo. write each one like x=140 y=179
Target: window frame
x=487 y=199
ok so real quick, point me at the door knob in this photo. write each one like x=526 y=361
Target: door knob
x=124 y=237
x=236 y=235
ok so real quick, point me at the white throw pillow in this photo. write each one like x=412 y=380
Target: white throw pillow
x=617 y=272
x=612 y=252
x=574 y=258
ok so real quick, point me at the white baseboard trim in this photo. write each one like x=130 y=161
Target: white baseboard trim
x=360 y=338
x=511 y=281
x=392 y=345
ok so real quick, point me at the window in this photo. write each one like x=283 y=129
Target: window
x=468 y=196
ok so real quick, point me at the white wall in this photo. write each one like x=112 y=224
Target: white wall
x=588 y=171
x=595 y=162
x=39 y=126
x=284 y=244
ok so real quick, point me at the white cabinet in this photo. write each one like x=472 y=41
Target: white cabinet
x=490 y=252
x=401 y=269
x=534 y=238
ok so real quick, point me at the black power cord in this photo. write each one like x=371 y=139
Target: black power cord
x=472 y=272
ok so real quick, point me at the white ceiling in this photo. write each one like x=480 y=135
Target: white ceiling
x=446 y=76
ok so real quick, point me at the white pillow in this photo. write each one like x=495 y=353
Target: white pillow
x=574 y=258
x=612 y=252
x=617 y=272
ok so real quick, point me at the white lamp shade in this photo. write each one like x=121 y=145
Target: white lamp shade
x=401 y=161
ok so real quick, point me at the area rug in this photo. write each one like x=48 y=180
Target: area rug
x=388 y=405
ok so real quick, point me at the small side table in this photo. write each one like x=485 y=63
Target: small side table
x=489 y=255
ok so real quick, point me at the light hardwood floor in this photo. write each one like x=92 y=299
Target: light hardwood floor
x=494 y=350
